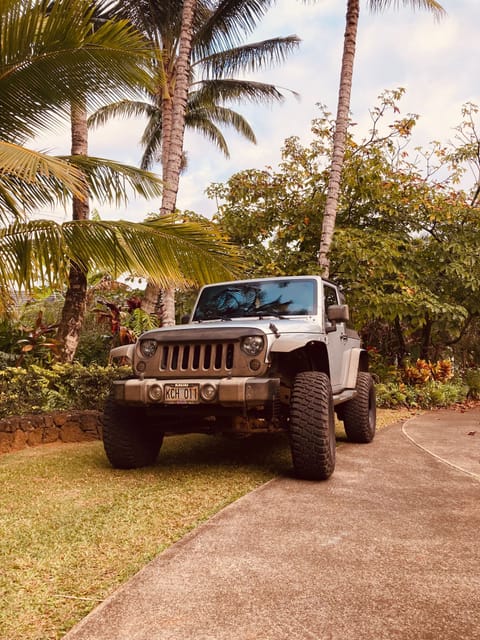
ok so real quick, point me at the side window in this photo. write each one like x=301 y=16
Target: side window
x=330 y=296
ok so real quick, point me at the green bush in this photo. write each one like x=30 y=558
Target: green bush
x=428 y=396
x=35 y=389
x=63 y=386
x=381 y=367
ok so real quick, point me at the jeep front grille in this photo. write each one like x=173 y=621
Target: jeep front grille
x=208 y=359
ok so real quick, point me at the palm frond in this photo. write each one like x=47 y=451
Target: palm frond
x=108 y=180
x=430 y=5
x=152 y=140
x=31 y=253
x=206 y=119
x=229 y=23
x=121 y=109
x=55 y=41
x=204 y=125
x=166 y=250
x=29 y=179
x=249 y=57
x=228 y=90
x=27 y=165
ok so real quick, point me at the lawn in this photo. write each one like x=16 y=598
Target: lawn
x=72 y=528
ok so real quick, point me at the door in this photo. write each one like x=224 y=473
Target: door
x=338 y=340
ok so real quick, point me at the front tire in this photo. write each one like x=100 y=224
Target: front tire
x=312 y=426
x=359 y=415
x=128 y=439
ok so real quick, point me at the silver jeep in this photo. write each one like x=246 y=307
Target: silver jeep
x=256 y=356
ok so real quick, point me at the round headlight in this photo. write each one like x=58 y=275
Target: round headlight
x=252 y=345
x=148 y=348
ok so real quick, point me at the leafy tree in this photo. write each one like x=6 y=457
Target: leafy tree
x=406 y=245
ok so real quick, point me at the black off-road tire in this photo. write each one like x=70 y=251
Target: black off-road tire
x=312 y=426
x=129 y=440
x=359 y=415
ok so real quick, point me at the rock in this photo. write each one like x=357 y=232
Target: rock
x=6 y=440
x=17 y=432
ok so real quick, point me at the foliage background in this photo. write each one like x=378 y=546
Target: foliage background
x=406 y=244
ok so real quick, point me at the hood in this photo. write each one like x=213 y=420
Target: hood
x=229 y=328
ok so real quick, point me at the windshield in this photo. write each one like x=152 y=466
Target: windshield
x=257 y=299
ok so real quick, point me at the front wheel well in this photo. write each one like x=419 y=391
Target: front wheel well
x=363 y=360
x=312 y=356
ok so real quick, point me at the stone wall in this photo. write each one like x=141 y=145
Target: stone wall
x=66 y=426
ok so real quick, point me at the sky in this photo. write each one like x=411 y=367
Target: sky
x=437 y=62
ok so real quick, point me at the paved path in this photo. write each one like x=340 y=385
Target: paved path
x=387 y=549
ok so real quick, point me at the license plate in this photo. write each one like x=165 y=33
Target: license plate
x=180 y=393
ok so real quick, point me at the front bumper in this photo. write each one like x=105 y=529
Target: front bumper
x=241 y=392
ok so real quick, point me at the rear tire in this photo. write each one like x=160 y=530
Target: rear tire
x=312 y=426
x=359 y=414
x=128 y=438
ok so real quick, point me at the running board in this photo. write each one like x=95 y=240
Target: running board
x=348 y=394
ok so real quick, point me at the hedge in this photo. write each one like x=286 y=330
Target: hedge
x=63 y=386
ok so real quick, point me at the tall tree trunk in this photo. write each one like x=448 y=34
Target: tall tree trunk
x=340 y=135
x=154 y=298
x=179 y=107
x=173 y=129
x=426 y=337
x=402 y=349
x=167 y=114
x=73 y=311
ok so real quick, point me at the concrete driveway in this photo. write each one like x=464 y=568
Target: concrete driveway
x=387 y=549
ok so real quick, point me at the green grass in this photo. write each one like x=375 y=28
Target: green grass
x=72 y=528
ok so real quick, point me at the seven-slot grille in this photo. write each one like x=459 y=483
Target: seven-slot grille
x=215 y=358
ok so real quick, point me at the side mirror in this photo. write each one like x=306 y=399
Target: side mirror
x=185 y=319
x=337 y=313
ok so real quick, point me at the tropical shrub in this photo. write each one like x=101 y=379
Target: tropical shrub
x=432 y=394
x=424 y=371
x=34 y=389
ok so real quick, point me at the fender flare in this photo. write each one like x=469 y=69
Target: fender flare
x=355 y=360
x=124 y=352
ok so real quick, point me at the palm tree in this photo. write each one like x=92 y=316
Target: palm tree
x=84 y=67
x=343 y=110
x=199 y=47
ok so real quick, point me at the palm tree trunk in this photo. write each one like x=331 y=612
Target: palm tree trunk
x=179 y=107
x=154 y=299
x=173 y=128
x=73 y=311
x=340 y=135
x=167 y=113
